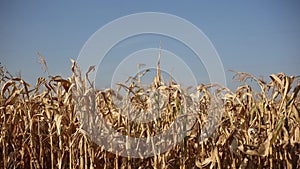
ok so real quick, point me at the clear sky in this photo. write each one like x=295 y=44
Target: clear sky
x=259 y=37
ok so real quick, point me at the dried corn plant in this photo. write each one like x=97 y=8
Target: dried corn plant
x=51 y=124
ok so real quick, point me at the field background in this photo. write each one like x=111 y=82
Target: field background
x=48 y=117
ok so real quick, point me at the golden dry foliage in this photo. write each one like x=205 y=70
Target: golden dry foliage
x=40 y=127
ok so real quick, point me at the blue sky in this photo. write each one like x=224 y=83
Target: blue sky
x=259 y=37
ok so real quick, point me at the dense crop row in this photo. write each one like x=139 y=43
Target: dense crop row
x=51 y=124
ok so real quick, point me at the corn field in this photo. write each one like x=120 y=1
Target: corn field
x=41 y=128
